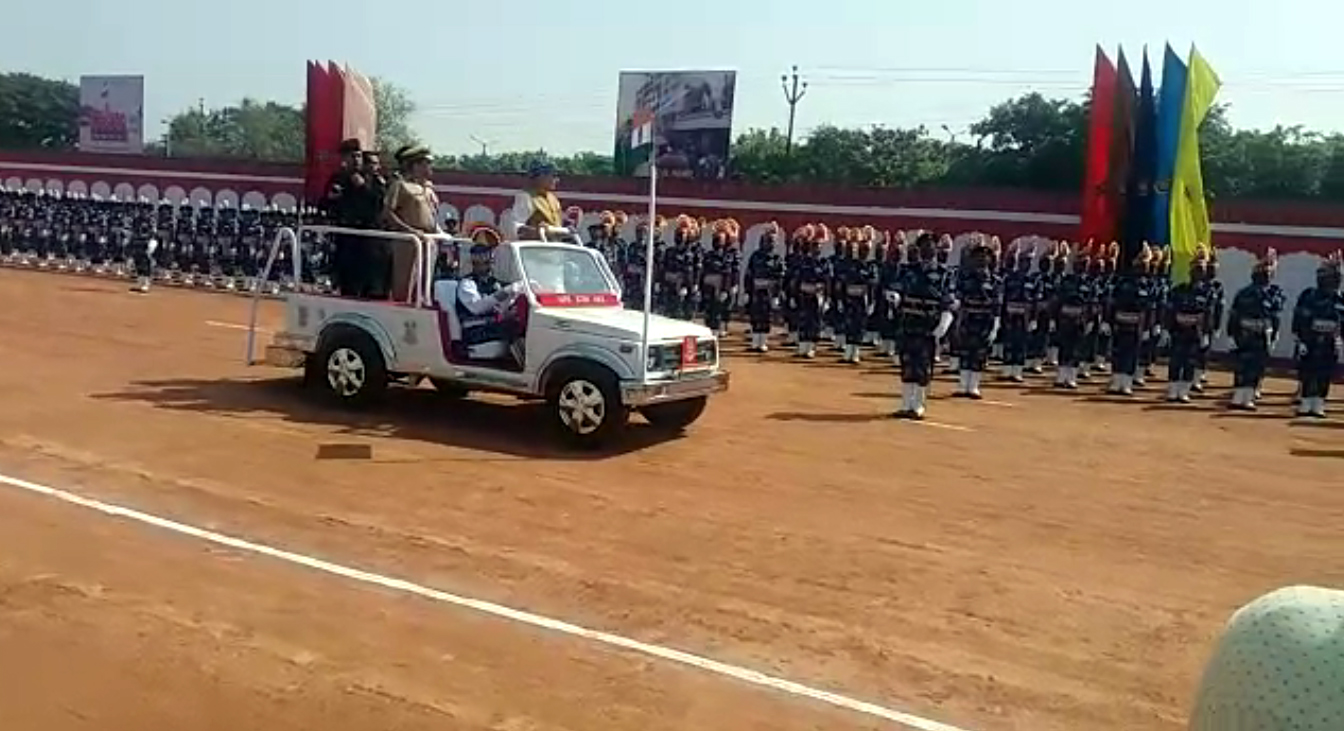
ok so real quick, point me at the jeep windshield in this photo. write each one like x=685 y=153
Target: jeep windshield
x=554 y=270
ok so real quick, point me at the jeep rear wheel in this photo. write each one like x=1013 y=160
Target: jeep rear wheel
x=675 y=416
x=585 y=405
x=350 y=368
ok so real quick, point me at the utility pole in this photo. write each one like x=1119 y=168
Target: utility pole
x=951 y=136
x=793 y=93
x=485 y=145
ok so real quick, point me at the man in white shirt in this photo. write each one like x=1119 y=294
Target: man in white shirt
x=480 y=304
x=537 y=210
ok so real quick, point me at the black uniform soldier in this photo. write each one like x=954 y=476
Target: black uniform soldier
x=1020 y=300
x=718 y=280
x=765 y=274
x=354 y=200
x=1187 y=318
x=853 y=287
x=810 y=290
x=1130 y=300
x=1073 y=298
x=924 y=306
x=1253 y=324
x=889 y=274
x=1318 y=321
x=979 y=296
x=1217 y=307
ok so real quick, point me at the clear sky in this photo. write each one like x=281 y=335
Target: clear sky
x=530 y=74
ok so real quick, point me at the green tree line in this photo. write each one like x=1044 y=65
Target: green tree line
x=1030 y=142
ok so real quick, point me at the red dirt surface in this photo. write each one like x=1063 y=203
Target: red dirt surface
x=1038 y=562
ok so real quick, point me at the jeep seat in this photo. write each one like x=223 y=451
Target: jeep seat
x=445 y=298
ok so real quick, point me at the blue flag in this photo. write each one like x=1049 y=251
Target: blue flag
x=1139 y=193
x=1170 y=102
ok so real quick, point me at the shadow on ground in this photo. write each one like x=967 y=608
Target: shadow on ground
x=418 y=414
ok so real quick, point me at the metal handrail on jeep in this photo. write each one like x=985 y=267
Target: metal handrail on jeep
x=422 y=270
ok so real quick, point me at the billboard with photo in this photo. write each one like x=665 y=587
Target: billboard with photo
x=693 y=121
x=112 y=114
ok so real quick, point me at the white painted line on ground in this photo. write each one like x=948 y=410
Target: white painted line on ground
x=990 y=402
x=941 y=425
x=234 y=326
x=677 y=656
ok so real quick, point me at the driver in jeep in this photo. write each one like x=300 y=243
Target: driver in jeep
x=480 y=305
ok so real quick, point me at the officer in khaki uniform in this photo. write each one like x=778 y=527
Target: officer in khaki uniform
x=411 y=206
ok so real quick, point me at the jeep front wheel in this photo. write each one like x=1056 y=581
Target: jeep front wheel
x=585 y=404
x=675 y=416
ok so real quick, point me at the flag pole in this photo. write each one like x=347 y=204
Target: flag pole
x=648 y=247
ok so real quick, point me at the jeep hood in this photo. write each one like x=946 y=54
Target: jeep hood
x=619 y=322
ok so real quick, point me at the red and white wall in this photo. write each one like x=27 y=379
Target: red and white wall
x=1302 y=233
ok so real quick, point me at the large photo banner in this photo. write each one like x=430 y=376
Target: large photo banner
x=692 y=122
x=112 y=114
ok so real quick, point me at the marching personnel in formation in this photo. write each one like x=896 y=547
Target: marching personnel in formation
x=833 y=325
x=718 y=276
x=889 y=274
x=678 y=271
x=854 y=285
x=1253 y=324
x=1073 y=300
x=948 y=272
x=765 y=276
x=1007 y=267
x=979 y=296
x=1042 y=333
x=793 y=259
x=1020 y=301
x=1130 y=300
x=874 y=268
x=924 y=305
x=634 y=265
x=1217 y=307
x=1318 y=322
x=1097 y=276
x=1161 y=285
x=1187 y=320
x=810 y=290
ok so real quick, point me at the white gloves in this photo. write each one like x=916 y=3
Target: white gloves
x=1105 y=329
x=894 y=298
x=994 y=331
x=944 y=324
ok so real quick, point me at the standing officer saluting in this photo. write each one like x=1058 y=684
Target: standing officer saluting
x=924 y=305
x=354 y=200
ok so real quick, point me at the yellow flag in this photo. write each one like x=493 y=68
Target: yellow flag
x=1189 y=211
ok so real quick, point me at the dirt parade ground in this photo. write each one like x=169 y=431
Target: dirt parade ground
x=1034 y=561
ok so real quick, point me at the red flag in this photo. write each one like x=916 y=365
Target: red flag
x=1099 y=205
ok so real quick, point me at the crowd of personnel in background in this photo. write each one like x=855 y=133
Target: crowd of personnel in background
x=1075 y=308
x=1029 y=305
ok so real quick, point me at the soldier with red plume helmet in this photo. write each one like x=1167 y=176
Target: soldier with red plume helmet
x=765 y=276
x=718 y=276
x=1020 y=302
x=810 y=291
x=980 y=297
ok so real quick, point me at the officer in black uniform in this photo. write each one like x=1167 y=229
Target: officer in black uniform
x=354 y=200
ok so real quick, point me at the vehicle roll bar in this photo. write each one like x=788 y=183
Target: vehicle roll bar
x=422 y=269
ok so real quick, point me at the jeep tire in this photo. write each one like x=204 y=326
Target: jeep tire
x=584 y=405
x=350 y=368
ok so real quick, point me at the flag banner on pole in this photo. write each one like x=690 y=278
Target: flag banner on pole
x=641 y=133
x=1096 y=211
x=1189 y=210
x=1139 y=194
x=1170 y=100
x=1122 y=148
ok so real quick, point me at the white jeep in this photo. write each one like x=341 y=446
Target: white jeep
x=572 y=342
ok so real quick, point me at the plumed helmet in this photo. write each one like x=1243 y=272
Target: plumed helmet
x=572 y=216
x=606 y=219
x=484 y=233
x=822 y=234
x=1268 y=263
x=1333 y=264
x=621 y=218
x=1144 y=256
